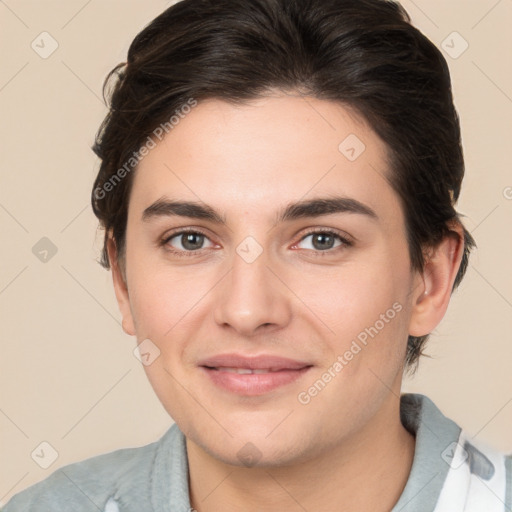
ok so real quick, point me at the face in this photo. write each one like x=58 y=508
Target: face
x=316 y=297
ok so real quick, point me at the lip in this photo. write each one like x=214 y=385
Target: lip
x=282 y=371
x=253 y=362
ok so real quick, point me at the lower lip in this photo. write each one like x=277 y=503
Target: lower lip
x=252 y=384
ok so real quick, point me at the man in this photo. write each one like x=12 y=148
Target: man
x=277 y=187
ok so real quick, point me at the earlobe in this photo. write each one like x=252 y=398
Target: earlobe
x=435 y=284
x=120 y=288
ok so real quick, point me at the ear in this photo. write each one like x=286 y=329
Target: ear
x=433 y=286
x=120 y=288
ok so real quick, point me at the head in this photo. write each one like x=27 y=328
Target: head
x=244 y=109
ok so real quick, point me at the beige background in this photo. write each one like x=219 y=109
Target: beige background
x=68 y=375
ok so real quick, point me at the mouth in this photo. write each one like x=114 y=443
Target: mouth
x=253 y=376
x=247 y=371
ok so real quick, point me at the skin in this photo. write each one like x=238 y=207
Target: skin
x=346 y=449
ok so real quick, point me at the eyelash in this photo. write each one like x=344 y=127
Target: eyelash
x=345 y=242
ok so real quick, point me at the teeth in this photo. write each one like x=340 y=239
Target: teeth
x=243 y=371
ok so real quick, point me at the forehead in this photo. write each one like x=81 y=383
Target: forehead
x=267 y=152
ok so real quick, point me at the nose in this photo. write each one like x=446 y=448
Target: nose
x=253 y=298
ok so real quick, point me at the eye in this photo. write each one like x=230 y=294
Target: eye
x=324 y=241
x=189 y=242
x=186 y=241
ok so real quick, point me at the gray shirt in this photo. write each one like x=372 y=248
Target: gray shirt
x=154 y=478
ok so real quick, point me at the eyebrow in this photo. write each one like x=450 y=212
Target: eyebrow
x=307 y=208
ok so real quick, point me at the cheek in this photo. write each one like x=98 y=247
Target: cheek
x=159 y=304
x=355 y=296
x=159 y=295
x=365 y=306
x=170 y=307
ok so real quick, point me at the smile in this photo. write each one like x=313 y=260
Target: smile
x=252 y=381
x=243 y=371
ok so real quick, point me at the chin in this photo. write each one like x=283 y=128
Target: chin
x=252 y=446
x=256 y=455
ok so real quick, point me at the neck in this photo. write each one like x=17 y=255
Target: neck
x=367 y=471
